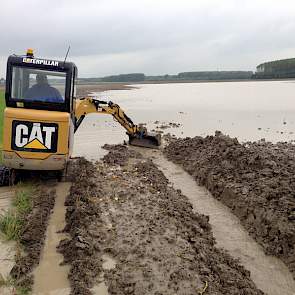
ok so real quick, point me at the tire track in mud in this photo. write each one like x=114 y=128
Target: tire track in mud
x=7 y=249
x=269 y=273
x=49 y=276
x=34 y=263
x=125 y=209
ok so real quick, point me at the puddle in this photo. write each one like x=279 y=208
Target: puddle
x=102 y=289
x=268 y=273
x=108 y=262
x=93 y=133
x=50 y=277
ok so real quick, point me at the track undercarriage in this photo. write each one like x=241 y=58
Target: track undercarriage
x=6 y=176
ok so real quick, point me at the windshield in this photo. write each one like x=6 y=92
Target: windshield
x=38 y=85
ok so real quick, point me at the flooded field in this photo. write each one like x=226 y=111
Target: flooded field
x=249 y=111
x=111 y=241
x=246 y=110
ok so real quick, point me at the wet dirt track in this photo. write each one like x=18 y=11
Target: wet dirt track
x=268 y=273
x=32 y=236
x=127 y=231
x=50 y=278
x=124 y=209
x=7 y=250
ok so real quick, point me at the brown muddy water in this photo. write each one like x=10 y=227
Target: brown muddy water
x=108 y=264
x=50 y=278
x=246 y=110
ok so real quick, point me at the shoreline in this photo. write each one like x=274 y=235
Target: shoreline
x=209 y=81
x=84 y=89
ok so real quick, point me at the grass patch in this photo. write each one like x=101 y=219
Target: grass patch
x=12 y=221
x=10 y=225
x=23 y=201
x=22 y=290
x=10 y=283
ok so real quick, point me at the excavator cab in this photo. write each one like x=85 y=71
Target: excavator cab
x=39 y=113
x=41 y=84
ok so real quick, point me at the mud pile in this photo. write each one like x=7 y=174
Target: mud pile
x=78 y=251
x=119 y=154
x=256 y=180
x=33 y=236
x=128 y=212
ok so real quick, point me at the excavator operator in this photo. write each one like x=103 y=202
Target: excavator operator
x=43 y=91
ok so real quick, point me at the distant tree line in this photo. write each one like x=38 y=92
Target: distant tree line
x=215 y=75
x=200 y=75
x=135 y=77
x=284 y=68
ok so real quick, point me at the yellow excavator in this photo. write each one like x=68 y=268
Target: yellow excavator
x=42 y=114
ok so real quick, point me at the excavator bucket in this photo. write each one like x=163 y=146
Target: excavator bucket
x=148 y=140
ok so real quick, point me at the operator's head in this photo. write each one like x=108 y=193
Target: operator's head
x=41 y=79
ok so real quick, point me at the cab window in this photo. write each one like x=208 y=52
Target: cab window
x=36 y=85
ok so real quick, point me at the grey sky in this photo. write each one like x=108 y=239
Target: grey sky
x=150 y=36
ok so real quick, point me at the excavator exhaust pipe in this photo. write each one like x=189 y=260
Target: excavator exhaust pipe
x=147 y=140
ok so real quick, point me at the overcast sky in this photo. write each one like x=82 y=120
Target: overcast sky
x=150 y=36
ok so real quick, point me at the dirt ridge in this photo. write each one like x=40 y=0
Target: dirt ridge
x=256 y=180
x=78 y=250
x=32 y=237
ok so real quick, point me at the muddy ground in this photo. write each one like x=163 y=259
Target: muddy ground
x=125 y=209
x=256 y=180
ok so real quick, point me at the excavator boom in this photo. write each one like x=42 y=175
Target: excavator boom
x=138 y=135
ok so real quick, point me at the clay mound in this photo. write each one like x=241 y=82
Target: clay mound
x=256 y=180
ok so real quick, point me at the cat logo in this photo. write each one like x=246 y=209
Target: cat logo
x=45 y=62
x=34 y=137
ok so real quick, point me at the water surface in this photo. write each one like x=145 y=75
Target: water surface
x=246 y=110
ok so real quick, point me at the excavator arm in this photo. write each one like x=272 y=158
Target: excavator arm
x=138 y=135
